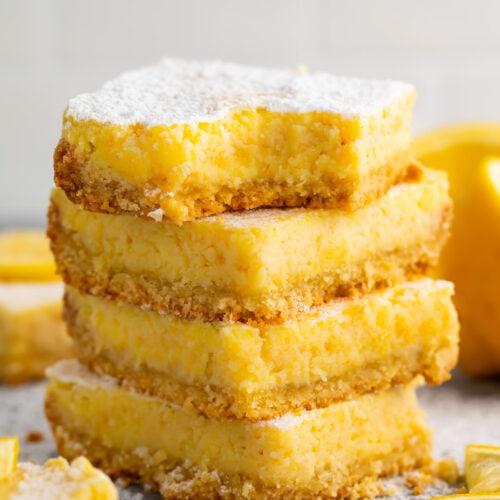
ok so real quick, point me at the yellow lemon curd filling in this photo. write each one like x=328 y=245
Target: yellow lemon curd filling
x=244 y=371
x=320 y=155
x=32 y=333
x=321 y=449
x=263 y=262
x=57 y=479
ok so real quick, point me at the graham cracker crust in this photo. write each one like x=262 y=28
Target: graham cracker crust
x=105 y=191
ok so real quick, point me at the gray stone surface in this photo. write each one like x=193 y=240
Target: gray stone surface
x=461 y=411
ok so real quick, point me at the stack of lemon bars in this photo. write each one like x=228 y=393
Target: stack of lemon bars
x=246 y=254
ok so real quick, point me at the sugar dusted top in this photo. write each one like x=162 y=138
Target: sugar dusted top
x=177 y=91
x=22 y=296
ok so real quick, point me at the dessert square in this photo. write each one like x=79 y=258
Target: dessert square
x=25 y=256
x=255 y=265
x=237 y=370
x=179 y=140
x=338 y=451
x=32 y=333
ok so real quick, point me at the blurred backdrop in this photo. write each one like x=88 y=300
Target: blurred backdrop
x=51 y=50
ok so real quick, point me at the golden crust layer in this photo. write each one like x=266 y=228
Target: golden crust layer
x=106 y=191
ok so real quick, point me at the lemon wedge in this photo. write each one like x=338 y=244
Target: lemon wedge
x=9 y=450
x=471 y=259
x=482 y=469
x=25 y=256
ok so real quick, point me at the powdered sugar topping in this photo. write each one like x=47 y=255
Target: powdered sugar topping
x=177 y=91
x=16 y=297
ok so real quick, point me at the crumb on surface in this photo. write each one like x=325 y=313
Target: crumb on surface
x=419 y=480
x=390 y=490
x=34 y=436
x=447 y=470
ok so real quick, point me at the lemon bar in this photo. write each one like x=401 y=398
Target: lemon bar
x=56 y=479
x=261 y=264
x=25 y=256
x=180 y=140
x=314 y=454
x=32 y=332
x=236 y=370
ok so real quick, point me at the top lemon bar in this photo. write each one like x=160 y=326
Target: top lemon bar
x=180 y=140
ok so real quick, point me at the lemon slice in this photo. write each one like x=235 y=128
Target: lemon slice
x=482 y=469
x=25 y=256
x=471 y=259
x=9 y=450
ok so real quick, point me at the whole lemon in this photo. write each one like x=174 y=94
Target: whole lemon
x=470 y=154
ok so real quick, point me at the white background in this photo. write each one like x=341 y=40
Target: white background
x=51 y=50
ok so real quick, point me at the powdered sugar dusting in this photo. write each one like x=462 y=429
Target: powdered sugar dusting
x=156 y=215
x=177 y=91
x=289 y=420
x=43 y=483
x=17 y=297
x=71 y=372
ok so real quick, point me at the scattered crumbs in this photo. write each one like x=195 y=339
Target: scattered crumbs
x=136 y=496
x=447 y=470
x=34 y=437
x=418 y=481
x=148 y=488
x=122 y=482
x=390 y=490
